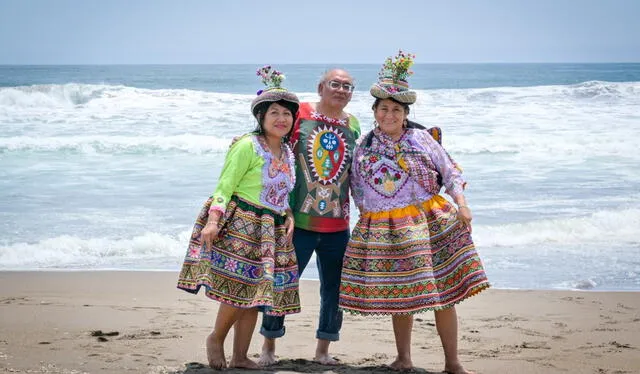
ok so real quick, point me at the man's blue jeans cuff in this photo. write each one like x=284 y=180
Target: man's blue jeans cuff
x=327 y=336
x=272 y=334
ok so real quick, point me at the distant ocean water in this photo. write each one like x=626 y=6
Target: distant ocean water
x=105 y=167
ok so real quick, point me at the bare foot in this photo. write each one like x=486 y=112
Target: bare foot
x=244 y=363
x=215 y=353
x=267 y=357
x=401 y=364
x=456 y=369
x=326 y=359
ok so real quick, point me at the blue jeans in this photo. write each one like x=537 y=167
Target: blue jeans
x=329 y=248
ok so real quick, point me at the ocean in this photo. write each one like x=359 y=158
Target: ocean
x=106 y=167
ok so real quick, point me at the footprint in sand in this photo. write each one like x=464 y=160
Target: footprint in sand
x=620 y=305
x=11 y=300
x=472 y=339
x=621 y=345
x=530 y=332
x=533 y=345
x=153 y=334
x=609 y=329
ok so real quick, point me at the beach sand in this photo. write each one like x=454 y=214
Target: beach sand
x=138 y=322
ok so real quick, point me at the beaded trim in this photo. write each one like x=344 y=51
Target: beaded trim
x=321 y=117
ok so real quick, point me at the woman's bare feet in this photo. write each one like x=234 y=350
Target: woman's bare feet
x=215 y=353
x=326 y=359
x=456 y=369
x=243 y=363
x=401 y=364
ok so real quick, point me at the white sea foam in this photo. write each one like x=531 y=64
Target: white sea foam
x=600 y=227
x=115 y=144
x=537 y=124
x=71 y=251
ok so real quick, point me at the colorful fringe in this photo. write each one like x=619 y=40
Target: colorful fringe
x=410 y=260
x=250 y=264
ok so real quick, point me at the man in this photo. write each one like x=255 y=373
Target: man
x=323 y=141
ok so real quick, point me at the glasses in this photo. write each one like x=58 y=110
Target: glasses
x=335 y=85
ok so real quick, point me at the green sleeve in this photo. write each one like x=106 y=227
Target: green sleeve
x=354 y=124
x=236 y=165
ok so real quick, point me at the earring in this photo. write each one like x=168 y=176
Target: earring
x=375 y=123
x=405 y=123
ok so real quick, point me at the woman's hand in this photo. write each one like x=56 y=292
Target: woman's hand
x=209 y=232
x=289 y=225
x=464 y=215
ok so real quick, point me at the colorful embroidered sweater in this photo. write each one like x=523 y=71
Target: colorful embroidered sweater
x=323 y=148
x=392 y=174
x=252 y=173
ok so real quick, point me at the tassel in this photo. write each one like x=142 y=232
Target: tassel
x=402 y=164
x=400 y=160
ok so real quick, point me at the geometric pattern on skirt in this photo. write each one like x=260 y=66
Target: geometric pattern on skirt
x=410 y=260
x=250 y=264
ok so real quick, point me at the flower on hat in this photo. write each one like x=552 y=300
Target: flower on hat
x=273 y=92
x=270 y=77
x=397 y=68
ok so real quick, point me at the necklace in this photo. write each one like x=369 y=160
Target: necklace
x=277 y=153
x=317 y=113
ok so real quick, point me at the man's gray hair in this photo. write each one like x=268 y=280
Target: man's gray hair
x=325 y=75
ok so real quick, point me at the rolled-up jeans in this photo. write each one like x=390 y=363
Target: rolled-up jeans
x=329 y=248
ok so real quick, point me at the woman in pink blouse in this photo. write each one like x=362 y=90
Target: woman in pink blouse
x=411 y=250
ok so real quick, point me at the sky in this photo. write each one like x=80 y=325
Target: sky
x=323 y=31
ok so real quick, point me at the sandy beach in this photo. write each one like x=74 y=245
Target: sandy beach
x=116 y=322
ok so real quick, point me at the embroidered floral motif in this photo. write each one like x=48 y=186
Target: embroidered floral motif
x=278 y=176
x=194 y=252
x=387 y=164
x=387 y=179
x=231 y=264
x=383 y=175
x=279 y=165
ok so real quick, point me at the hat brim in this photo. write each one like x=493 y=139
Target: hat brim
x=405 y=97
x=273 y=96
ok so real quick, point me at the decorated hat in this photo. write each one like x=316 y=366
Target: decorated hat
x=392 y=79
x=274 y=91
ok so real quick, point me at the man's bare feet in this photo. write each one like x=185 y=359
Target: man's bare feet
x=244 y=363
x=215 y=353
x=267 y=357
x=401 y=364
x=456 y=369
x=326 y=359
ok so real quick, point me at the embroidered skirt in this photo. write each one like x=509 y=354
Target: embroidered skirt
x=410 y=260
x=250 y=264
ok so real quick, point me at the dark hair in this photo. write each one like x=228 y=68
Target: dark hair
x=261 y=112
x=378 y=100
x=410 y=124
